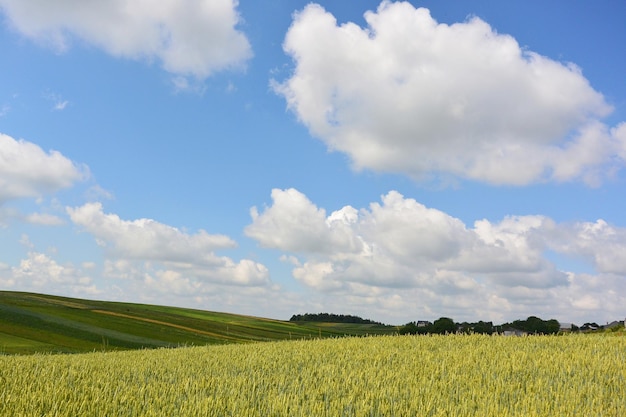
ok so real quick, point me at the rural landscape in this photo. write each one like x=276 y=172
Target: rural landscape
x=147 y=360
x=297 y=208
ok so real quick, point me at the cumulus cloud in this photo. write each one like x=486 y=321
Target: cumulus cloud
x=301 y=225
x=410 y=95
x=146 y=238
x=39 y=272
x=139 y=243
x=408 y=254
x=26 y=170
x=398 y=242
x=601 y=243
x=188 y=37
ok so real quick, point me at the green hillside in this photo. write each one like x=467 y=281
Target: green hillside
x=32 y=323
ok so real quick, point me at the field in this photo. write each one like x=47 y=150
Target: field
x=36 y=323
x=574 y=375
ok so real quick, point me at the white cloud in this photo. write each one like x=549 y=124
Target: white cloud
x=426 y=260
x=400 y=243
x=189 y=37
x=411 y=232
x=599 y=242
x=413 y=96
x=510 y=246
x=60 y=105
x=44 y=219
x=28 y=171
x=146 y=238
x=39 y=272
x=300 y=225
x=139 y=244
x=97 y=193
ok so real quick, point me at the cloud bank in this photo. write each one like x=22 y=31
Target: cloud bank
x=410 y=95
x=398 y=255
x=189 y=37
x=39 y=272
x=26 y=170
x=165 y=256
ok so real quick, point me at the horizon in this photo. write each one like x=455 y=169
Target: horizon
x=399 y=160
x=234 y=313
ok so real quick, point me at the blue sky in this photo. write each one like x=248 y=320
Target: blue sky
x=397 y=161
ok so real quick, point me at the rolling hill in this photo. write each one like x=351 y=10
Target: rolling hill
x=32 y=323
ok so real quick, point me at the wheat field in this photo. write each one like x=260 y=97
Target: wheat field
x=455 y=375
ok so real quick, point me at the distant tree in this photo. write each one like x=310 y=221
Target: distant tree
x=465 y=327
x=483 y=327
x=443 y=325
x=535 y=325
x=551 y=326
x=409 y=328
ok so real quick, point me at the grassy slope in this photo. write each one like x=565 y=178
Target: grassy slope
x=43 y=323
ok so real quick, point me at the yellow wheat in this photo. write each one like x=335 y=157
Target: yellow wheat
x=576 y=375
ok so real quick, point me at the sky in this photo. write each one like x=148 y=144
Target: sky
x=399 y=161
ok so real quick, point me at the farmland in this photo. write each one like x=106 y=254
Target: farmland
x=38 y=323
x=455 y=375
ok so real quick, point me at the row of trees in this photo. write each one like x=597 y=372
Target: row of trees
x=331 y=318
x=535 y=325
x=532 y=325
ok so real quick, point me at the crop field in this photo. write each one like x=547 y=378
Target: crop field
x=36 y=323
x=574 y=375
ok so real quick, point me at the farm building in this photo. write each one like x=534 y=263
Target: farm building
x=510 y=331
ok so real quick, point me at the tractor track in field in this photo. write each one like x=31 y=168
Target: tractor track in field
x=164 y=323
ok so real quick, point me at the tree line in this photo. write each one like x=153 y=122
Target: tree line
x=532 y=325
x=332 y=318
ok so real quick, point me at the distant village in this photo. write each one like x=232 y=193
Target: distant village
x=532 y=325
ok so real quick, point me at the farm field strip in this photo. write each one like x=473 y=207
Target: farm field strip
x=160 y=322
x=61 y=324
x=582 y=375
